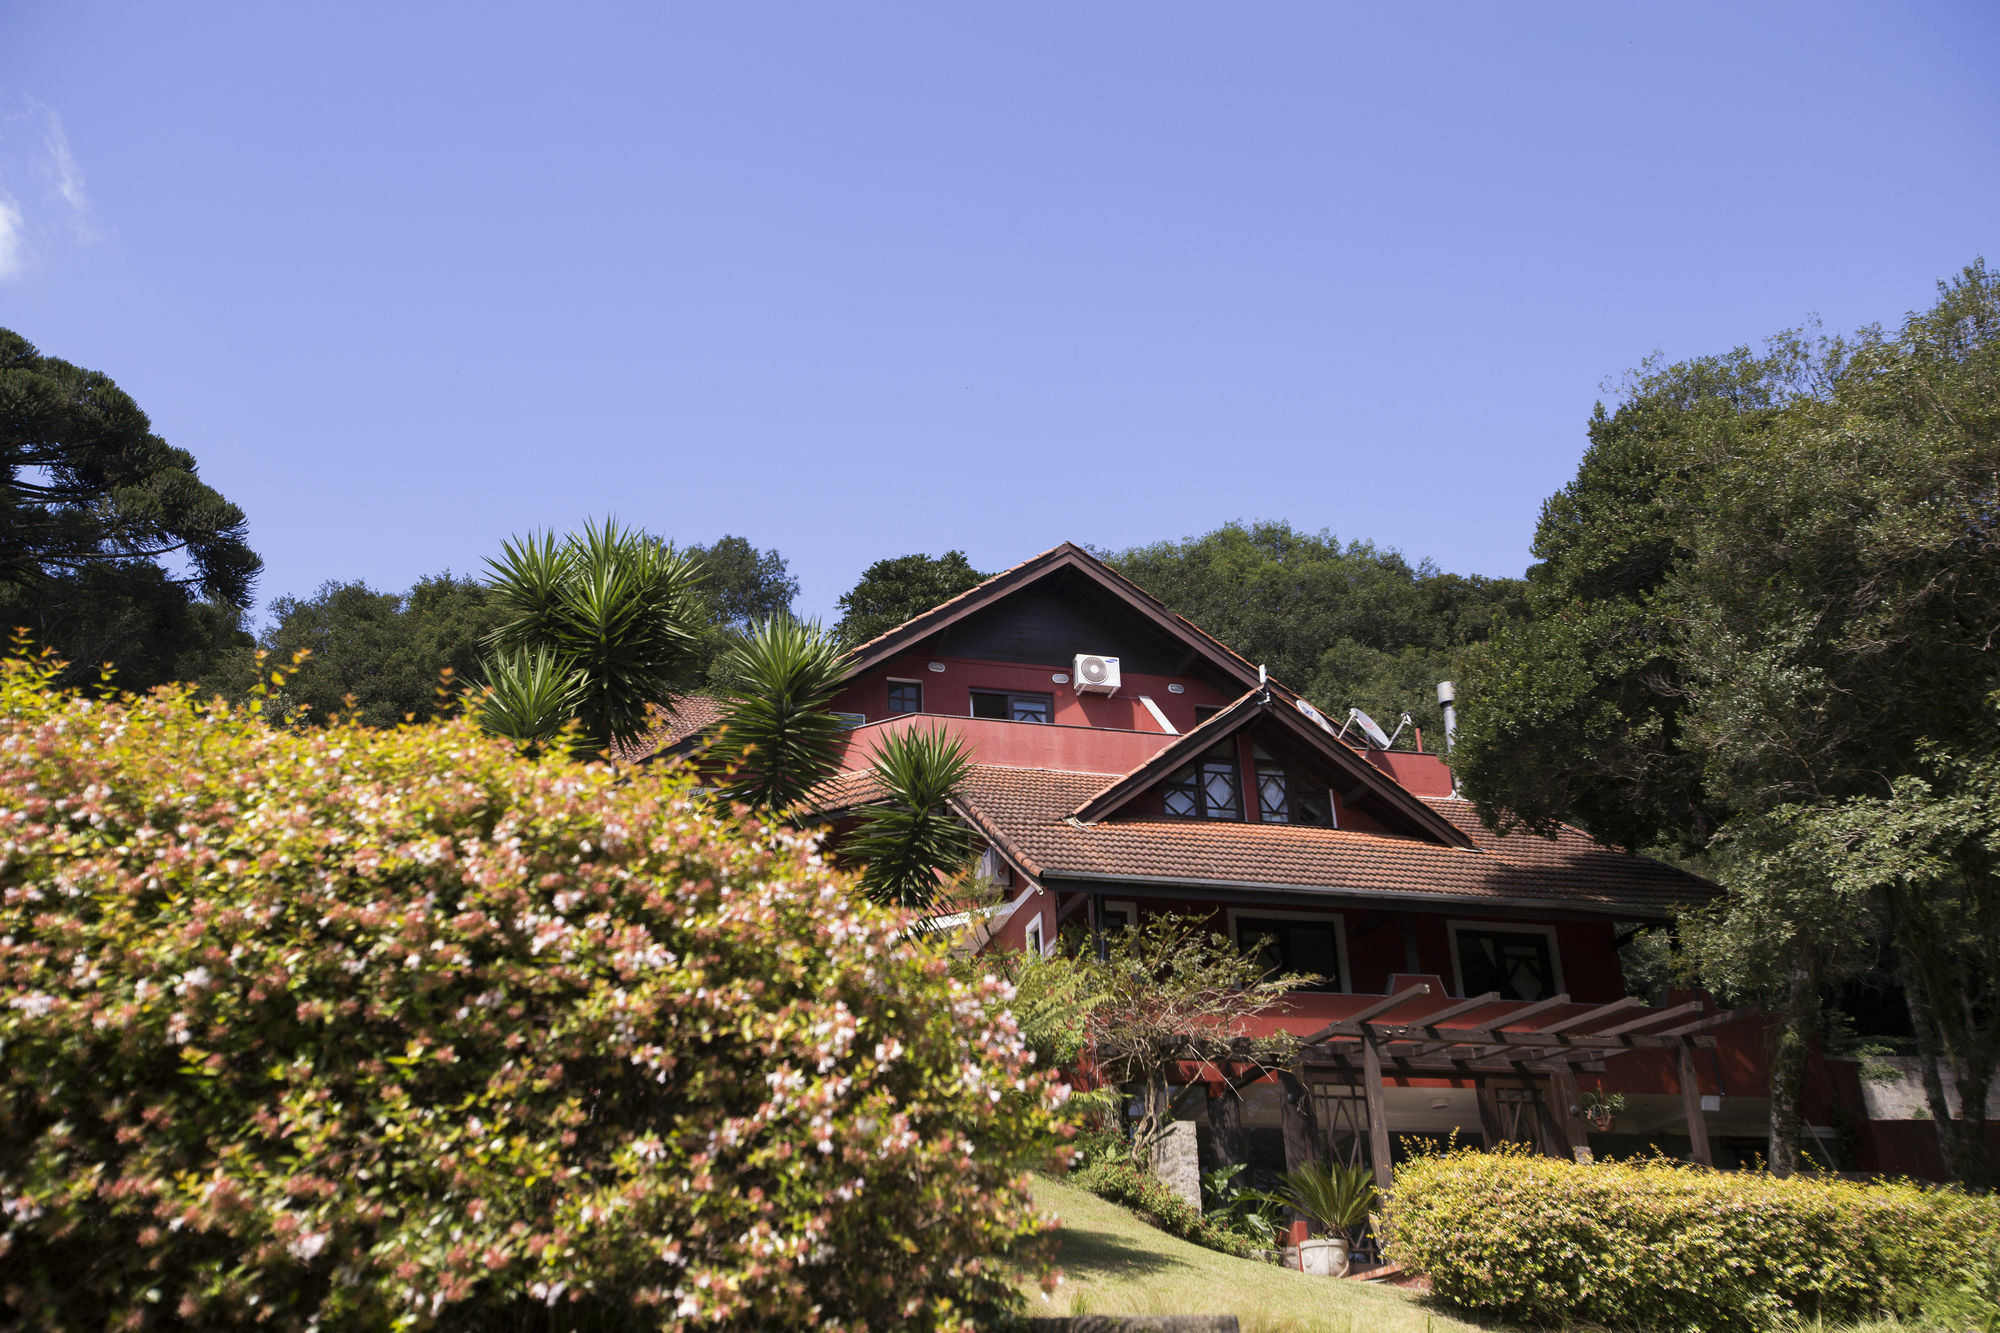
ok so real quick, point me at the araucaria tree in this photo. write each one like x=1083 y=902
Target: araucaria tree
x=595 y=627
x=1770 y=601
x=112 y=548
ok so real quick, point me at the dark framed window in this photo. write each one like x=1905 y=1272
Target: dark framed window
x=1211 y=788
x=1013 y=706
x=1274 y=800
x=1203 y=712
x=1284 y=945
x=906 y=696
x=1520 y=964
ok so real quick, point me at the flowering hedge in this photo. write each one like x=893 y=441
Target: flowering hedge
x=393 y=1029
x=1659 y=1245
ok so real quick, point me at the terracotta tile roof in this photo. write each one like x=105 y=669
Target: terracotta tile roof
x=688 y=716
x=1026 y=811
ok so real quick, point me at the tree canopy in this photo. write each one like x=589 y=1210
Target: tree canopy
x=1773 y=587
x=1349 y=625
x=890 y=592
x=385 y=651
x=112 y=548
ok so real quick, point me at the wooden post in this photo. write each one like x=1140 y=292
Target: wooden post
x=1302 y=1139
x=1489 y=1116
x=1225 y=1123
x=1378 y=1115
x=1565 y=1107
x=1697 y=1118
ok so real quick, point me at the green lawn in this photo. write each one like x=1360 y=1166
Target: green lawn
x=1115 y=1264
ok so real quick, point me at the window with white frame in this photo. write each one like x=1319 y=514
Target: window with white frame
x=1289 y=942
x=1520 y=962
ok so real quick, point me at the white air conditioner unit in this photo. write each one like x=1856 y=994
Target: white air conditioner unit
x=1095 y=675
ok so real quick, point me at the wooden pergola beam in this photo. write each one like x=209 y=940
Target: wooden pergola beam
x=1712 y=1021
x=1602 y=1011
x=1657 y=1016
x=1350 y=1026
x=1534 y=1010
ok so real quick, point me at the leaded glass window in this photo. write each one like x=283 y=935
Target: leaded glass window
x=1273 y=800
x=1221 y=794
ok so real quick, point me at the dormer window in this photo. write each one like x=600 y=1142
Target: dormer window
x=1274 y=805
x=1209 y=789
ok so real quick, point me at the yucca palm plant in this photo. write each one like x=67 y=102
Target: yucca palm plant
x=778 y=736
x=911 y=838
x=613 y=611
x=1337 y=1197
x=525 y=690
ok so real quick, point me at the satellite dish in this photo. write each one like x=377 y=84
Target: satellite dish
x=1368 y=728
x=1314 y=714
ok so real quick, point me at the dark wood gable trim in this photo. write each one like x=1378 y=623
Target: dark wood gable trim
x=1366 y=780
x=1067 y=556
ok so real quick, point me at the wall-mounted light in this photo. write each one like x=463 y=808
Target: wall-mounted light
x=937 y=666
x=1177 y=688
x=1060 y=678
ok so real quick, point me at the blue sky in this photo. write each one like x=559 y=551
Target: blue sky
x=858 y=280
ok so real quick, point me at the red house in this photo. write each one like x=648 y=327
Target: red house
x=1127 y=763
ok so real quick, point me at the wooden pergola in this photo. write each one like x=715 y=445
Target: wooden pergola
x=1505 y=1046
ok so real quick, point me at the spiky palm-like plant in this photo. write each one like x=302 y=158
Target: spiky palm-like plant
x=525 y=690
x=1337 y=1197
x=614 y=610
x=910 y=837
x=778 y=735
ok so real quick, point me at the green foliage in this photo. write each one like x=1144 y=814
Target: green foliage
x=741 y=586
x=1337 y=1197
x=1349 y=626
x=1968 y=1299
x=384 y=652
x=617 y=610
x=1118 y=1180
x=910 y=839
x=1657 y=1245
x=1053 y=1000
x=1231 y=1204
x=1772 y=584
x=93 y=506
x=369 y=1028
x=778 y=738
x=1174 y=990
x=890 y=592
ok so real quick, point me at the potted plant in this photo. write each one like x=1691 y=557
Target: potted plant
x=1602 y=1108
x=1338 y=1198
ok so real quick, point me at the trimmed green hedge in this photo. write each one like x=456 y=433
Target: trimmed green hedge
x=1660 y=1245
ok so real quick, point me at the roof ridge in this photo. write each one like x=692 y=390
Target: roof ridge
x=865 y=644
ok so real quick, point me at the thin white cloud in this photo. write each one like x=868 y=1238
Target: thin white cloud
x=13 y=241
x=42 y=188
x=62 y=166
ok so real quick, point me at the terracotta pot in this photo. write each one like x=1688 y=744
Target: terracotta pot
x=1328 y=1256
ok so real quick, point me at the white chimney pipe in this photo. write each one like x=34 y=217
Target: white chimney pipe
x=1447 y=697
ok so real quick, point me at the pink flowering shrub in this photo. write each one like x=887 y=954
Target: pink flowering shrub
x=393 y=1029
